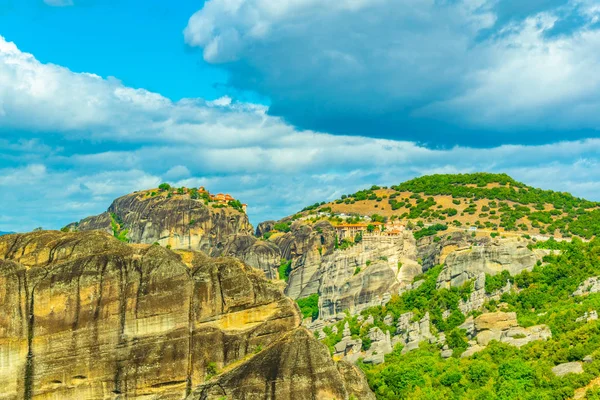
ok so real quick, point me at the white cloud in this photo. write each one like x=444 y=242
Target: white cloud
x=84 y=140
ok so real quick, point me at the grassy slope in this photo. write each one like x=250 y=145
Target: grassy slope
x=493 y=202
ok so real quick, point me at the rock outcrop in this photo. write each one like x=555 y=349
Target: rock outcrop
x=83 y=315
x=575 y=367
x=264 y=227
x=589 y=286
x=381 y=344
x=174 y=220
x=296 y=367
x=363 y=275
x=180 y=222
x=433 y=251
x=499 y=255
x=411 y=332
x=479 y=296
x=502 y=327
x=257 y=253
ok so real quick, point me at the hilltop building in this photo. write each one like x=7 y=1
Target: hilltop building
x=349 y=231
x=221 y=198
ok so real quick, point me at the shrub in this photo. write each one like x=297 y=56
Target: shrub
x=282 y=226
x=285 y=268
x=309 y=306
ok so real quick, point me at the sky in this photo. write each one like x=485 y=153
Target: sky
x=285 y=103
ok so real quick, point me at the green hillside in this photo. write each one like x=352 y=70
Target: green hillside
x=491 y=202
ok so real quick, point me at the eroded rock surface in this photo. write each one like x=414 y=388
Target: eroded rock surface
x=575 y=367
x=177 y=221
x=502 y=327
x=260 y=254
x=467 y=263
x=362 y=276
x=83 y=315
x=589 y=286
x=296 y=367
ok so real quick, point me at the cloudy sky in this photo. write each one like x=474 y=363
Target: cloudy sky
x=284 y=103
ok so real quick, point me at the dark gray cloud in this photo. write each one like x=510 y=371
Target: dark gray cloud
x=470 y=72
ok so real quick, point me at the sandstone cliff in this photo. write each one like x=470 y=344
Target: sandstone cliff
x=83 y=315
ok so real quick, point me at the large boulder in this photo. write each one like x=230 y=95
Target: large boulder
x=575 y=367
x=502 y=327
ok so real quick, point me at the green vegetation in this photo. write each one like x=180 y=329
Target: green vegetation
x=285 y=268
x=500 y=371
x=309 y=306
x=237 y=205
x=283 y=226
x=116 y=225
x=429 y=231
x=211 y=370
x=164 y=187
x=496 y=282
x=511 y=205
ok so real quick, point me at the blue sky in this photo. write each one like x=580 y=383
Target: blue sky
x=290 y=102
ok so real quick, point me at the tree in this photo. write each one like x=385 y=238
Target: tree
x=164 y=186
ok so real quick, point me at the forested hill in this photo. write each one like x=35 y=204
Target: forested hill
x=490 y=202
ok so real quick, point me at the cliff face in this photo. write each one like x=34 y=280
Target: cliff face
x=366 y=274
x=467 y=263
x=363 y=275
x=178 y=221
x=83 y=315
x=260 y=254
x=281 y=372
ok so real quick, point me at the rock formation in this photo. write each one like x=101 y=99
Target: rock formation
x=433 y=251
x=467 y=263
x=83 y=315
x=381 y=344
x=575 y=367
x=589 y=286
x=348 y=348
x=295 y=367
x=257 y=253
x=177 y=221
x=181 y=222
x=479 y=296
x=352 y=279
x=503 y=327
x=411 y=332
x=264 y=227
